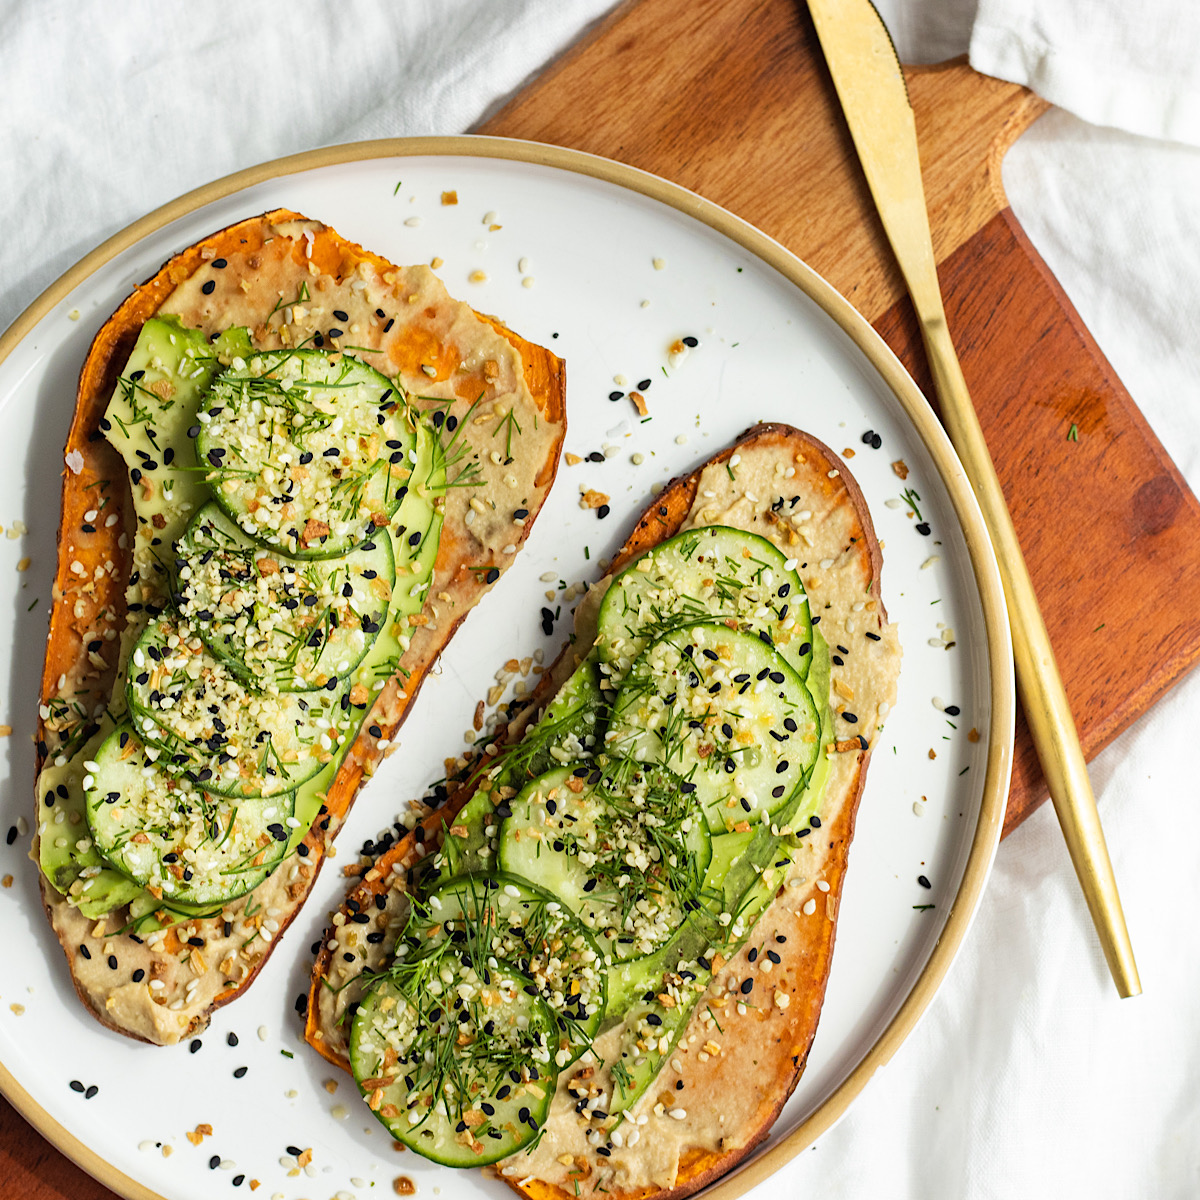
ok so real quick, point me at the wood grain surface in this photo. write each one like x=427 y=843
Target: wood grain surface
x=731 y=99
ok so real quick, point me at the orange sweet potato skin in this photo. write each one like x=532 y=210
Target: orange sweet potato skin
x=93 y=567
x=775 y=1039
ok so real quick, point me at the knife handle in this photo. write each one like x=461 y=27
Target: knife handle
x=1043 y=697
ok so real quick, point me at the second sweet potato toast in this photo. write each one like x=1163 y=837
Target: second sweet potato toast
x=293 y=469
x=601 y=964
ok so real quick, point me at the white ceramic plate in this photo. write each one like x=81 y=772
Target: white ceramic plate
x=608 y=267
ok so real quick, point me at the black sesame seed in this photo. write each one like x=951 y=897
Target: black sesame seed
x=615 y=395
x=209 y=287
x=952 y=710
x=492 y=575
x=240 y=1072
x=112 y=962
x=645 y=383
x=923 y=529
x=924 y=882
x=137 y=977
x=231 y=1039
x=747 y=986
x=92 y=1090
x=195 y=1044
x=691 y=342
x=214 y=1162
x=851 y=717
x=773 y=957
x=753 y=955
x=76 y=1086
x=85 y=951
x=238 y=1180
x=595 y=456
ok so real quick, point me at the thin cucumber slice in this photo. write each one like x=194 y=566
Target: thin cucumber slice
x=220 y=735
x=724 y=710
x=626 y=849
x=67 y=854
x=308 y=451
x=697 y=576
x=567 y=731
x=503 y=917
x=457 y=1062
x=194 y=847
x=154 y=404
x=292 y=624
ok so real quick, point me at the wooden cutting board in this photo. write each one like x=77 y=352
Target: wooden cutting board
x=731 y=99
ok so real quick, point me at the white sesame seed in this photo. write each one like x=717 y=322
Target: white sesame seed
x=810 y=907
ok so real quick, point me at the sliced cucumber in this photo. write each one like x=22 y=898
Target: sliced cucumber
x=67 y=853
x=457 y=1062
x=194 y=847
x=153 y=406
x=308 y=451
x=724 y=710
x=503 y=917
x=291 y=624
x=566 y=731
x=626 y=848
x=712 y=571
x=217 y=733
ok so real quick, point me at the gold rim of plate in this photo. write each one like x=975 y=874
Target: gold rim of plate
x=1002 y=696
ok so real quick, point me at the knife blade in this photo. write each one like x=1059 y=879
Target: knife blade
x=870 y=84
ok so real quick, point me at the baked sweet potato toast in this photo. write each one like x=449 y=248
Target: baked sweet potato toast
x=711 y=1094
x=281 y=312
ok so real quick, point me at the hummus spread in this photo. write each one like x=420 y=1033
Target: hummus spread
x=740 y=1054
x=500 y=416
x=711 y=1097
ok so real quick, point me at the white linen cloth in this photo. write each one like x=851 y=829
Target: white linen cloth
x=1027 y=1077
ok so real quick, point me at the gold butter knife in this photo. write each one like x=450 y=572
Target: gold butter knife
x=870 y=84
